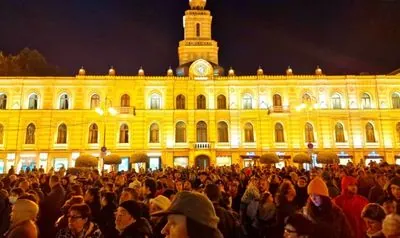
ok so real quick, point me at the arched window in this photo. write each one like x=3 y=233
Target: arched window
x=125 y=100
x=336 y=101
x=93 y=134
x=198 y=29
x=366 y=101
x=277 y=100
x=279 y=135
x=396 y=100
x=306 y=98
x=369 y=132
x=1 y=134
x=201 y=129
x=154 y=133
x=3 y=101
x=94 y=101
x=33 y=102
x=62 y=134
x=247 y=101
x=221 y=102
x=223 y=132
x=124 y=134
x=201 y=102
x=339 y=133
x=30 y=134
x=64 y=102
x=397 y=130
x=180 y=132
x=155 y=102
x=309 y=133
x=180 y=102
x=248 y=133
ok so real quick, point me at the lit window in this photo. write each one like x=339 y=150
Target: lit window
x=124 y=134
x=366 y=101
x=155 y=101
x=64 y=102
x=279 y=134
x=180 y=132
x=93 y=134
x=94 y=101
x=248 y=133
x=201 y=131
x=125 y=100
x=247 y=102
x=309 y=133
x=339 y=133
x=3 y=101
x=370 y=133
x=62 y=134
x=33 y=102
x=30 y=134
x=154 y=133
x=336 y=101
x=396 y=100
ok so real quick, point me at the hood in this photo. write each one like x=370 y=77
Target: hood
x=346 y=182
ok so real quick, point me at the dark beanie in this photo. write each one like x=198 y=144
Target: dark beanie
x=133 y=208
x=395 y=181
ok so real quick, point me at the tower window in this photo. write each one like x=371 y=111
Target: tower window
x=197 y=29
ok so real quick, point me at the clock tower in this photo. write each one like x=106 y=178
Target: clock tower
x=197 y=43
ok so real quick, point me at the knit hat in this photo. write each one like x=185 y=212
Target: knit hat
x=195 y=206
x=395 y=181
x=318 y=186
x=23 y=210
x=391 y=225
x=161 y=201
x=133 y=208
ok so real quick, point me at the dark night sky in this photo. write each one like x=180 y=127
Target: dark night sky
x=343 y=36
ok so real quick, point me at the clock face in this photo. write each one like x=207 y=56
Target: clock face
x=201 y=69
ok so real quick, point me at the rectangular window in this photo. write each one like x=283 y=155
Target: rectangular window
x=154 y=163
x=155 y=103
x=124 y=165
x=181 y=162
x=247 y=103
x=224 y=161
x=59 y=163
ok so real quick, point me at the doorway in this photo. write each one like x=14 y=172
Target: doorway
x=202 y=161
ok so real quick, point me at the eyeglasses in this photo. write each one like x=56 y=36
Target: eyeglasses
x=290 y=231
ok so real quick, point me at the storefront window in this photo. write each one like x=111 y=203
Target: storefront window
x=280 y=165
x=124 y=165
x=43 y=161
x=10 y=161
x=345 y=161
x=25 y=162
x=181 y=161
x=224 y=161
x=397 y=161
x=154 y=163
x=248 y=163
x=2 y=167
x=59 y=163
x=139 y=167
x=368 y=161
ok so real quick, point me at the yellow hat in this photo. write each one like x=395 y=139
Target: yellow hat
x=318 y=186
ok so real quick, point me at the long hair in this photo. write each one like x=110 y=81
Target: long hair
x=282 y=192
x=197 y=230
x=325 y=210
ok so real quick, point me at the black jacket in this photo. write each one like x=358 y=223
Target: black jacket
x=106 y=220
x=5 y=210
x=140 y=229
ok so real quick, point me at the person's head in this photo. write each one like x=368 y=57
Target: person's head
x=78 y=216
x=389 y=206
x=127 y=213
x=286 y=192
x=108 y=198
x=15 y=194
x=380 y=179
x=188 y=214
x=159 y=203
x=349 y=185
x=264 y=185
x=94 y=174
x=313 y=174
x=70 y=202
x=297 y=226
x=128 y=194
x=149 y=187
x=30 y=197
x=187 y=185
x=92 y=195
x=373 y=215
x=24 y=185
x=233 y=188
x=302 y=182
x=391 y=226
x=317 y=189
x=395 y=188
x=64 y=181
x=179 y=186
x=120 y=180
x=23 y=210
x=54 y=180
x=77 y=189
x=203 y=176
x=213 y=193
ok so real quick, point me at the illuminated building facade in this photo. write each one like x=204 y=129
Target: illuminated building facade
x=198 y=115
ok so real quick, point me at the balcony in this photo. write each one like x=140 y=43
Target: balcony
x=278 y=109
x=124 y=110
x=202 y=145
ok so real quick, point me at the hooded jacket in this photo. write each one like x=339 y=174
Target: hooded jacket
x=352 y=206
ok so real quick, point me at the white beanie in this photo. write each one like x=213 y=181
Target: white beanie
x=391 y=225
x=135 y=184
x=161 y=202
x=23 y=210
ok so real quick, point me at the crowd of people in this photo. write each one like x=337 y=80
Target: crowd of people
x=262 y=202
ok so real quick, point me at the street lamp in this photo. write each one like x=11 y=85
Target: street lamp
x=105 y=112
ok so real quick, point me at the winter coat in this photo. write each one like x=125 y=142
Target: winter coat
x=91 y=231
x=5 y=211
x=330 y=221
x=95 y=210
x=50 y=211
x=352 y=206
x=25 y=229
x=140 y=229
x=157 y=225
x=227 y=221
x=301 y=196
x=282 y=211
x=106 y=220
